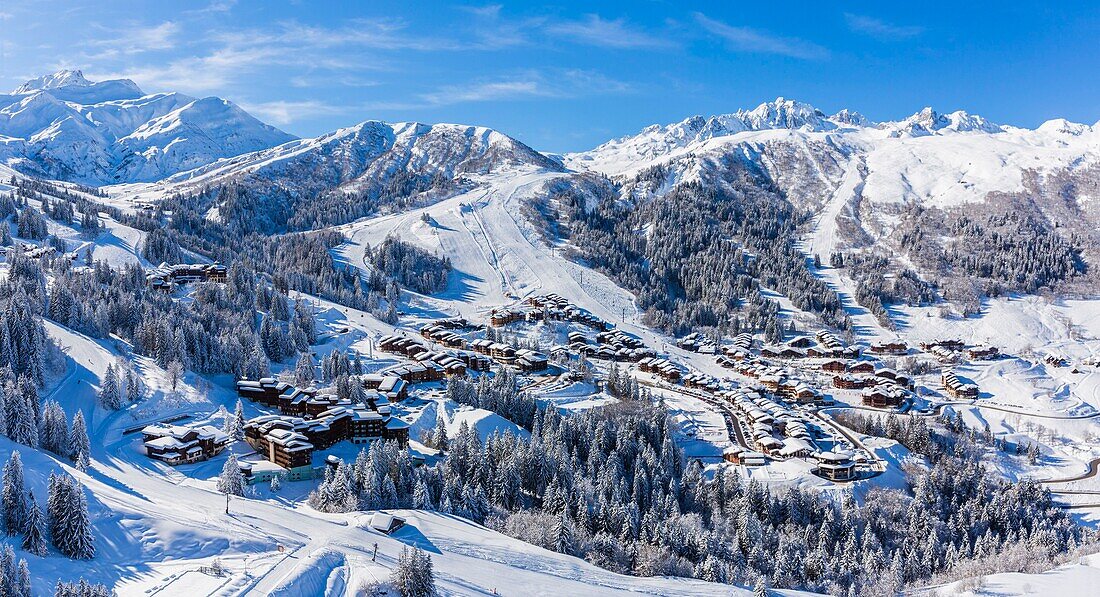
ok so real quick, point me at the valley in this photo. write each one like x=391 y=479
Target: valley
x=262 y=416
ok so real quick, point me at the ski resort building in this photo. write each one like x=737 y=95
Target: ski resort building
x=883 y=395
x=956 y=387
x=166 y=277
x=982 y=352
x=894 y=348
x=836 y=466
x=290 y=442
x=180 y=444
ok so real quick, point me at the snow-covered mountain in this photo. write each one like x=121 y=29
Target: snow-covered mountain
x=372 y=153
x=929 y=159
x=64 y=126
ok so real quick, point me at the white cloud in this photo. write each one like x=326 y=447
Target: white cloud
x=287 y=112
x=136 y=39
x=881 y=29
x=531 y=84
x=745 y=39
x=597 y=31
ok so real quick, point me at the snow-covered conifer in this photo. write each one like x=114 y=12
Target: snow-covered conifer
x=110 y=393
x=413 y=575
x=80 y=446
x=34 y=531
x=231 y=481
x=13 y=499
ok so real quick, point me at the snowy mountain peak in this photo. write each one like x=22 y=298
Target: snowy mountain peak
x=785 y=114
x=62 y=78
x=851 y=118
x=930 y=122
x=65 y=126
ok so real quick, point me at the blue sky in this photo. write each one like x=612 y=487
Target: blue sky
x=567 y=76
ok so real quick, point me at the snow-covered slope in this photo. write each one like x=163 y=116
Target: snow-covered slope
x=371 y=152
x=66 y=127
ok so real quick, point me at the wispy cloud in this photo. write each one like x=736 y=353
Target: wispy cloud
x=880 y=29
x=745 y=39
x=135 y=39
x=199 y=74
x=532 y=84
x=615 y=33
x=282 y=113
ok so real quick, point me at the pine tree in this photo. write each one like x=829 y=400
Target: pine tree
x=24 y=584
x=80 y=446
x=24 y=427
x=9 y=572
x=134 y=389
x=68 y=519
x=439 y=436
x=110 y=394
x=413 y=575
x=238 y=421
x=276 y=484
x=303 y=371
x=34 y=532
x=13 y=503
x=422 y=497
x=563 y=534
x=231 y=481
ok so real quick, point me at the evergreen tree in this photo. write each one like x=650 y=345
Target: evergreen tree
x=134 y=389
x=413 y=575
x=13 y=501
x=23 y=423
x=9 y=572
x=68 y=519
x=238 y=418
x=34 y=532
x=303 y=371
x=231 y=481
x=80 y=446
x=110 y=394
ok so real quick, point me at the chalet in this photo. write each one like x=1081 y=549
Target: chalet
x=956 y=387
x=386 y=523
x=392 y=387
x=805 y=394
x=289 y=442
x=836 y=466
x=895 y=348
x=982 y=352
x=886 y=373
x=794 y=447
x=861 y=367
x=883 y=396
x=951 y=344
x=800 y=342
x=530 y=361
x=177 y=444
x=828 y=339
x=739 y=455
x=850 y=382
x=418 y=372
x=768 y=444
x=1055 y=360
x=834 y=366
x=502 y=317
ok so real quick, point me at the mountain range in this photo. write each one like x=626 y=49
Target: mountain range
x=865 y=173
x=64 y=126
